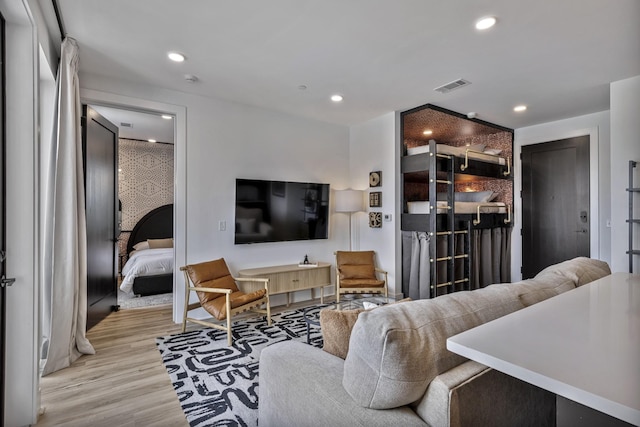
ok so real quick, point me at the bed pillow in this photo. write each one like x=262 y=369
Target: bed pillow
x=160 y=243
x=474 y=196
x=476 y=147
x=141 y=246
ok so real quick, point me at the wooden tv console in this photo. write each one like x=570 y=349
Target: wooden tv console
x=291 y=278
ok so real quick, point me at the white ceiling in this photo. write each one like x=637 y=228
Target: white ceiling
x=556 y=56
x=142 y=126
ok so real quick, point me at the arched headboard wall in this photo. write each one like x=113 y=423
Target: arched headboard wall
x=157 y=224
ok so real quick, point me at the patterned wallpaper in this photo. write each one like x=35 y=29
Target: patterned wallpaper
x=145 y=181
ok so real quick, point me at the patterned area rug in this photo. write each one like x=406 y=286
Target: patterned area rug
x=217 y=385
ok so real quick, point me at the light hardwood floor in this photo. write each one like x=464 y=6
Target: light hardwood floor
x=123 y=384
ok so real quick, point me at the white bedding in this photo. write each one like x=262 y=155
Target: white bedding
x=458 y=152
x=460 y=207
x=147 y=262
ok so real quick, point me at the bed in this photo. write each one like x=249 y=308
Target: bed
x=475 y=152
x=149 y=269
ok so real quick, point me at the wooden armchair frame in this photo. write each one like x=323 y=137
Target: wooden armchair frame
x=361 y=290
x=230 y=312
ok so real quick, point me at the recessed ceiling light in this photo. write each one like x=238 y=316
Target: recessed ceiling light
x=427 y=132
x=151 y=140
x=336 y=98
x=175 y=56
x=485 y=23
x=519 y=108
x=167 y=117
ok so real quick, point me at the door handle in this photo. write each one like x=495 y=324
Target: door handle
x=6 y=282
x=580 y=231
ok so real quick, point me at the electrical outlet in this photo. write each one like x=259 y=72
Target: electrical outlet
x=387 y=217
x=222 y=225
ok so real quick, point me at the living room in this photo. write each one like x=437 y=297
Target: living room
x=219 y=140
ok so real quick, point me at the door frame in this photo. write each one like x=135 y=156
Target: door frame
x=95 y=97
x=549 y=135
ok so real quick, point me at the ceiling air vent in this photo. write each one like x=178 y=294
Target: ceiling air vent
x=126 y=125
x=452 y=85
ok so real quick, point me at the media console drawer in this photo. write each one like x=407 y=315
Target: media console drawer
x=291 y=278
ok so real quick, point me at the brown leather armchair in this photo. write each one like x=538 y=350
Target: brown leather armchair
x=356 y=273
x=219 y=295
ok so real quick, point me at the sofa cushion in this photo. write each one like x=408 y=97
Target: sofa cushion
x=395 y=351
x=546 y=290
x=336 y=328
x=581 y=270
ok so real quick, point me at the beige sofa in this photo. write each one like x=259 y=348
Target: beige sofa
x=398 y=372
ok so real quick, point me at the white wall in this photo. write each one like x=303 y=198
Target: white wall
x=597 y=127
x=625 y=146
x=226 y=140
x=373 y=148
x=21 y=400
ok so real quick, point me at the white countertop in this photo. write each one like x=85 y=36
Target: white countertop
x=583 y=345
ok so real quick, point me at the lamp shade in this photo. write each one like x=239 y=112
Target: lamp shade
x=349 y=200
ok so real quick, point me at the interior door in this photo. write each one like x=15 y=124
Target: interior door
x=100 y=147
x=555 y=203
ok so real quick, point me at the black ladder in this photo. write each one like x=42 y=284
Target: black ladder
x=446 y=261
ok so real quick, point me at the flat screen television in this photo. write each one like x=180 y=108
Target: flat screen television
x=280 y=211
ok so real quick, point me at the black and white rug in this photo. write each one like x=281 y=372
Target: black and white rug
x=217 y=385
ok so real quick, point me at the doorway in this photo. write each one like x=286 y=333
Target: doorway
x=555 y=203
x=145 y=171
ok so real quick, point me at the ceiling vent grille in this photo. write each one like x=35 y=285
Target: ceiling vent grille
x=456 y=84
x=126 y=125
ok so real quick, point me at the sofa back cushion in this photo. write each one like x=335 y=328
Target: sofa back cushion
x=581 y=270
x=395 y=351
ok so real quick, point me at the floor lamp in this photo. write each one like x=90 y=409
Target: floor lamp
x=349 y=201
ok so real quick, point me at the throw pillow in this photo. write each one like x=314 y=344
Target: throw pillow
x=336 y=328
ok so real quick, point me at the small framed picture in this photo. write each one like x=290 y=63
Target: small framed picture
x=375 y=199
x=375 y=219
x=375 y=179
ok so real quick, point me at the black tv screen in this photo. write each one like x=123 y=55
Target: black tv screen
x=280 y=211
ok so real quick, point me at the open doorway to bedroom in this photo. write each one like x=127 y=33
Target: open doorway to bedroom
x=145 y=209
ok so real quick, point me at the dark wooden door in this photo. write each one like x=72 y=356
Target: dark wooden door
x=555 y=203
x=100 y=146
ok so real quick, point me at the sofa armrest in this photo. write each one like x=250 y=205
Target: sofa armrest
x=472 y=394
x=300 y=385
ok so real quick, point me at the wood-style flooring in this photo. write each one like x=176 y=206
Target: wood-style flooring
x=123 y=384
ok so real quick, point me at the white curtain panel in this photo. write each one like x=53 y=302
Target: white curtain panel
x=64 y=242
